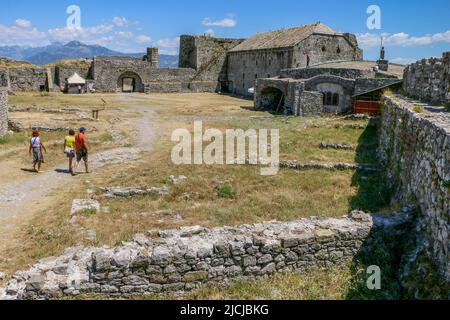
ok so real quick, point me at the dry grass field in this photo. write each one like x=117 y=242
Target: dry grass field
x=211 y=195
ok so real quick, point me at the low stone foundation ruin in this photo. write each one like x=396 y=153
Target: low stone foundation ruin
x=186 y=258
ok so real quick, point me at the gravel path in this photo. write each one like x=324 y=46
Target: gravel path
x=15 y=198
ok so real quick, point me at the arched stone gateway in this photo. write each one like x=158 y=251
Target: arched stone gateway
x=272 y=99
x=130 y=81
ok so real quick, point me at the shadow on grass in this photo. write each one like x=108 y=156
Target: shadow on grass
x=381 y=248
x=372 y=196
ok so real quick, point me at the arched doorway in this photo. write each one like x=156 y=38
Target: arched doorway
x=130 y=81
x=272 y=99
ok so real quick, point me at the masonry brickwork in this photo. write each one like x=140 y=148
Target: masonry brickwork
x=28 y=79
x=186 y=258
x=3 y=110
x=415 y=152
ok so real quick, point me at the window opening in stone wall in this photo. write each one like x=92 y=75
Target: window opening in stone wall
x=335 y=101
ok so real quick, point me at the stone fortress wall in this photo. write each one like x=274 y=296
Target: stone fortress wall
x=429 y=79
x=3 y=110
x=28 y=79
x=415 y=152
x=186 y=258
x=3 y=102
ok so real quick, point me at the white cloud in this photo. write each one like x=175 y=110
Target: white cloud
x=110 y=35
x=89 y=34
x=143 y=39
x=370 y=40
x=210 y=32
x=23 y=23
x=225 y=23
x=403 y=61
x=120 y=21
x=169 y=45
x=13 y=35
x=125 y=34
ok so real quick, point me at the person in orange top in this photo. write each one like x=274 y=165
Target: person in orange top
x=81 y=149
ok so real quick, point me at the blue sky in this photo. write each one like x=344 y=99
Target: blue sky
x=413 y=29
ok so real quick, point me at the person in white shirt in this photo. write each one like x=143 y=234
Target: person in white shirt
x=36 y=147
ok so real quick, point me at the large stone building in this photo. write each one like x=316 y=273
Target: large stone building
x=266 y=54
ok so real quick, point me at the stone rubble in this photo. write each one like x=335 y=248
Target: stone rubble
x=83 y=205
x=131 y=192
x=297 y=165
x=336 y=146
x=177 y=180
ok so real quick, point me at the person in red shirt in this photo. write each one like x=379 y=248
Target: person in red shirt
x=81 y=149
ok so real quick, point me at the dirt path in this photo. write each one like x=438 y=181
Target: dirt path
x=17 y=198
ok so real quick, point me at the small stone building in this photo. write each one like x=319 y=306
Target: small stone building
x=325 y=88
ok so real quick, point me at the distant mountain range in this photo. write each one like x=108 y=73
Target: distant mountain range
x=73 y=50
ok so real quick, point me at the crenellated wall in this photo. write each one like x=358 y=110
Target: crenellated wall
x=429 y=79
x=415 y=152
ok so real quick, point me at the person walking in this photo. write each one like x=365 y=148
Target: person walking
x=35 y=149
x=81 y=149
x=69 y=149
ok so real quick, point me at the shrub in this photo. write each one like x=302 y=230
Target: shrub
x=447 y=184
x=226 y=192
x=419 y=109
x=89 y=212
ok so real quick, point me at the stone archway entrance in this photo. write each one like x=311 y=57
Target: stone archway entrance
x=272 y=99
x=130 y=82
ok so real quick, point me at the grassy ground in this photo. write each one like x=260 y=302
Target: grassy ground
x=212 y=195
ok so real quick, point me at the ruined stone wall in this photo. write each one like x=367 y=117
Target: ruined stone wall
x=246 y=66
x=3 y=110
x=186 y=258
x=324 y=48
x=28 y=79
x=429 y=79
x=415 y=152
x=108 y=72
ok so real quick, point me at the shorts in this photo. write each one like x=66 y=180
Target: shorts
x=82 y=154
x=70 y=154
x=37 y=155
